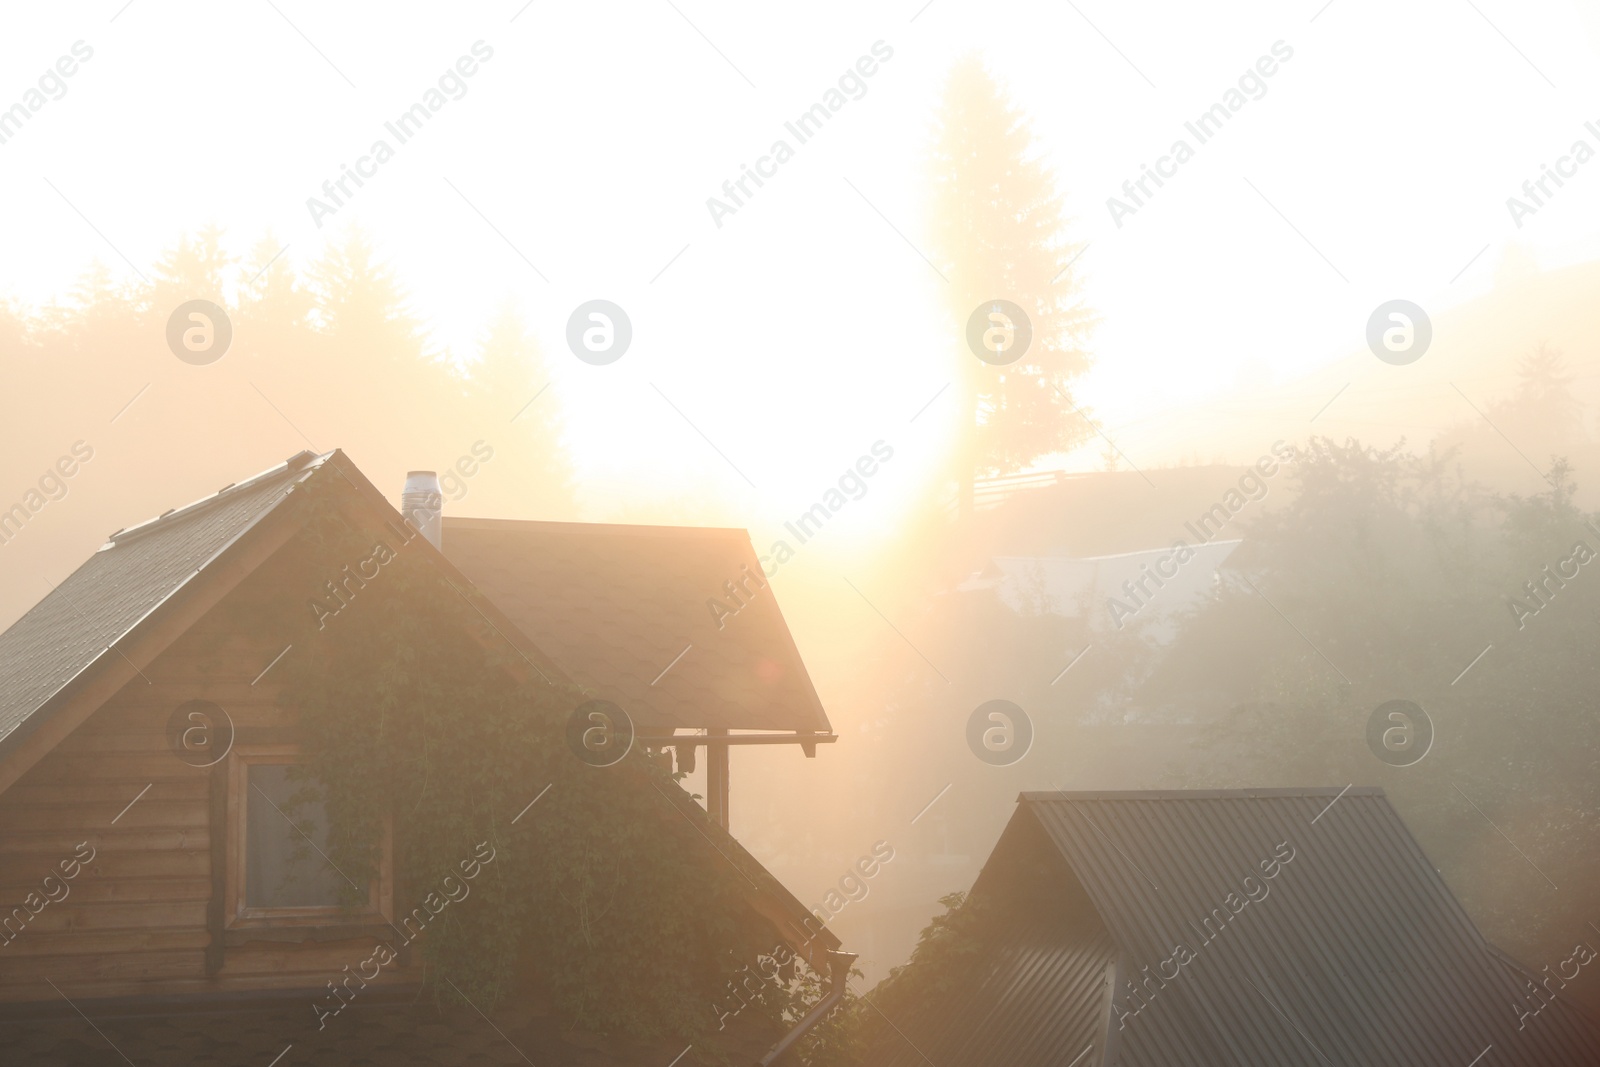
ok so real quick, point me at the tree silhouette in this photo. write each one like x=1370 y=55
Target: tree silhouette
x=1544 y=394
x=274 y=309
x=509 y=384
x=1538 y=420
x=1399 y=575
x=1000 y=234
x=323 y=355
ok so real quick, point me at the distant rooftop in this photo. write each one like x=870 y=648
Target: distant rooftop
x=1081 y=587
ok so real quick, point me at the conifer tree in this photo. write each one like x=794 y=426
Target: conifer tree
x=1000 y=234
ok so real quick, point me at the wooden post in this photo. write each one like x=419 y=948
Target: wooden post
x=717 y=779
x=216 y=907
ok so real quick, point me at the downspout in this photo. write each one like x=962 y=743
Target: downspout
x=839 y=964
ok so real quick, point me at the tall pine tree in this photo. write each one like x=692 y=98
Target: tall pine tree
x=1000 y=234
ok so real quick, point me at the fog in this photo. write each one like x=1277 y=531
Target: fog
x=1346 y=351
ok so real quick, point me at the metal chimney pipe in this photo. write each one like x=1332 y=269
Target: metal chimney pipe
x=422 y=505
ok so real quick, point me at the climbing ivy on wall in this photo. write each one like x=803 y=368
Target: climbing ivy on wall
x=424 y=722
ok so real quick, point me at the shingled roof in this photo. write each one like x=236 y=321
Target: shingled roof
x=139 y=568
x=610 y=606
x=1352 y=951
x=617 y=606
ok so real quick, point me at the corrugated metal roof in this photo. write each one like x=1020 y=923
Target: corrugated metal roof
x=1038 y=987
x=1040 y=992
x=1353 y=952
x=117 y=587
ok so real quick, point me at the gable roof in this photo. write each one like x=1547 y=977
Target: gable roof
x=1352 y=951
x=138 y=569
x=612 y=606
x=149 y=582
x=617 y=606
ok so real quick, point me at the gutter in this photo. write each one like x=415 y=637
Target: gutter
x=839 y=964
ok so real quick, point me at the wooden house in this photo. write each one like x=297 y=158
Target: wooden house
x=146 y=868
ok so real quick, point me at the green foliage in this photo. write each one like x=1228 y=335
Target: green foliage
x=947 y=954
x=836 y=1040
x=422 y=721
x=1398 y=572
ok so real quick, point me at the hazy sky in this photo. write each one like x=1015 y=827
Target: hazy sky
x=1376 y=165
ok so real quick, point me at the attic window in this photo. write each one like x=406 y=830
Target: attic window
x=285 y=854
x=280 y=871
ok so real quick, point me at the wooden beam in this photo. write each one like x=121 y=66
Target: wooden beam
x=805 y=741
x=717 y=778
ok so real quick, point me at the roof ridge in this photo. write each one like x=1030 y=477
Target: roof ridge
x=171 y=515
x=1040 y=796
